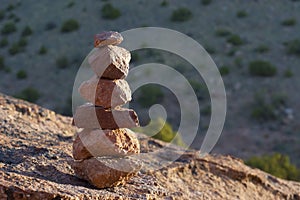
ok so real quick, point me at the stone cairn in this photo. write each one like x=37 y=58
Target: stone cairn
x=103 y=149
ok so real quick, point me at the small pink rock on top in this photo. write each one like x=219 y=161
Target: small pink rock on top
x=107 y=38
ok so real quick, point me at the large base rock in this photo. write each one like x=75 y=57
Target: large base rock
x=105 y=93
x=95 y=143
x=89 y=116
x=106 y=172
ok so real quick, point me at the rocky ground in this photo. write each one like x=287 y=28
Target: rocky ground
x=35 y=158
x=261 y=26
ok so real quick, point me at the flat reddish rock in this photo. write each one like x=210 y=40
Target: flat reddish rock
x=107 y=38
x=105 y=93
x=106 y=172
x=96 y=143
x=90 y=116
x=111 y=62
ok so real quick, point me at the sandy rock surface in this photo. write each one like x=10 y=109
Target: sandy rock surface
x=35 y=163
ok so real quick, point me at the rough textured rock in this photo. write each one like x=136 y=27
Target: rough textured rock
x=36 y=153
x=95 y=143
x=105 y=93
x=107 y=38
x=106 y=172
x=89 y=116
x=111 y=62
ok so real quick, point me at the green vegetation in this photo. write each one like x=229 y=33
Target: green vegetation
x=265 y=107
x=164 y=3
x=21 y=74
x=14 y=49
x=181 y=15
x=199 y=89
x=149 y=95
x=166 y=133
x=238 y=62
x=50 y=26
x=22 y=42
x=224 y=70
x=262 y=68
x=241 y=14
x=8 y=28
x=10 y=7
x=2 y=15
x=43 y=50
x=293 y=47
x=134 y=57
x=206 y=110
x=235 y=40
x=277 y=164
x=62 y=62
x=223 y=32
x=288 y=73
x=29 y=94
x=70 y=4
x=69 y=26
x=206 y=2
x=261 y=49
x=3 y=42
x=2 y=63
x=210 y=49
x=26 y=31
x=110 y=12
x=289 y=22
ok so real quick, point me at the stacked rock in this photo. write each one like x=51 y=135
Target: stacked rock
x=101 y=150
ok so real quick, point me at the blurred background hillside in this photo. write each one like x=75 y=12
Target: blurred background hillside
x=255 y=44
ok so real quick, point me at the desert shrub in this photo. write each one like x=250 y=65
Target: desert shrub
x=277 y=164
x=224 y=70
x=2 y=14
x=3 y=42
x=288 y=73
x=10 y=7
x=110 y=12
x=279 y=99
x=289 y=22
x=29 y=94
x=262 y=49
x=262 y=68
x=50 y=26
x=235 y=40
x=166 y=134
x=241 y=14
x=181 y=15
x=62 y=62
x=22 y=42
x=210 y=49
x=70 y=4
x=263 y=110
x=223 y=32
x=206 y=2
x=149 y=95
x=2 y=63
x=26 y=31
x=293 y=47
x=135 y=57
x=8 y=28
x=21 y=74
x=238 y=62
x=206 y=110
x=69 y=26
x=164 y=3
x=199 y=89
x=14 y=49
x=42 y=50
